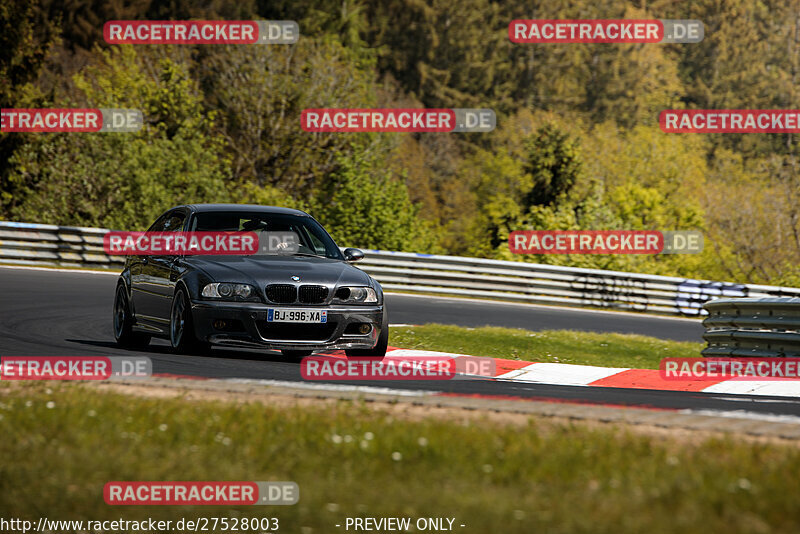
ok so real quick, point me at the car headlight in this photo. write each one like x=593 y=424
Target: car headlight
x=229 y=291
x=363 y=295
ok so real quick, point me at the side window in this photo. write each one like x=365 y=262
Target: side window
x=174 y=222
x=158 y=226
x=169 y=222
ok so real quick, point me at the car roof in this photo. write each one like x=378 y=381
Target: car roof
x=205 y=208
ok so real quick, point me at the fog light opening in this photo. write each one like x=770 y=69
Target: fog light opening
x=219 y=324
x=358 y=329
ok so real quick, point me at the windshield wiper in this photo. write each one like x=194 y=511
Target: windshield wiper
x=308 y=254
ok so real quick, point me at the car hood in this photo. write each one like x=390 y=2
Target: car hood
x=263 y=270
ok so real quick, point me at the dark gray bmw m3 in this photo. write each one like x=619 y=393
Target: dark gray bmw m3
x=297 y=294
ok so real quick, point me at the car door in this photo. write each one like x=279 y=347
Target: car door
x=160 y=271
x=140 y=279
x=155 y=285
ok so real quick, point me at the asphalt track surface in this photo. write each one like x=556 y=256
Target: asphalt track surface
x=56 y=313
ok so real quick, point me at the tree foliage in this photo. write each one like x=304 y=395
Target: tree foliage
x=577 y=144
x=124 y=180
x=362 y=205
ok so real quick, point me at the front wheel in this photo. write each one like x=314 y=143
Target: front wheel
x=181 y=327
x=123 y=323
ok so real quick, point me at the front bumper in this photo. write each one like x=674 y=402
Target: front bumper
x=246 y=326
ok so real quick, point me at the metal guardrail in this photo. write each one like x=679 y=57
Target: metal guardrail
x=25 y=243
x=756 y=327
x=554 y=285
x=47 y=244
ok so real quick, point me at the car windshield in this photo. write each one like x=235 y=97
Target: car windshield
x=278 y=233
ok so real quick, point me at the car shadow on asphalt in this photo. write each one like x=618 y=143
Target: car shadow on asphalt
x=216 y=352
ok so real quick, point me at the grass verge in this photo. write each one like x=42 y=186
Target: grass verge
x=557 y=346
x=61 y=443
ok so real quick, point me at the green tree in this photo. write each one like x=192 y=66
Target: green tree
x=25 y=42
x=124 y=180
x=362 y=205
x=554 y=163
x=259 y=94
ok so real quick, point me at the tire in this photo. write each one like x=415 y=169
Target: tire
x=296 y=354
x=122 y=322
x=181 y=327
x=379 y=350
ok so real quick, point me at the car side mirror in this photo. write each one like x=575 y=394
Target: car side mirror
x=353 y=254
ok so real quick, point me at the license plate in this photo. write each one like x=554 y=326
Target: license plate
x=288 y=315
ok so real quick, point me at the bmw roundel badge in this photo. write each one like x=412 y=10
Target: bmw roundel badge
x=296 y=278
